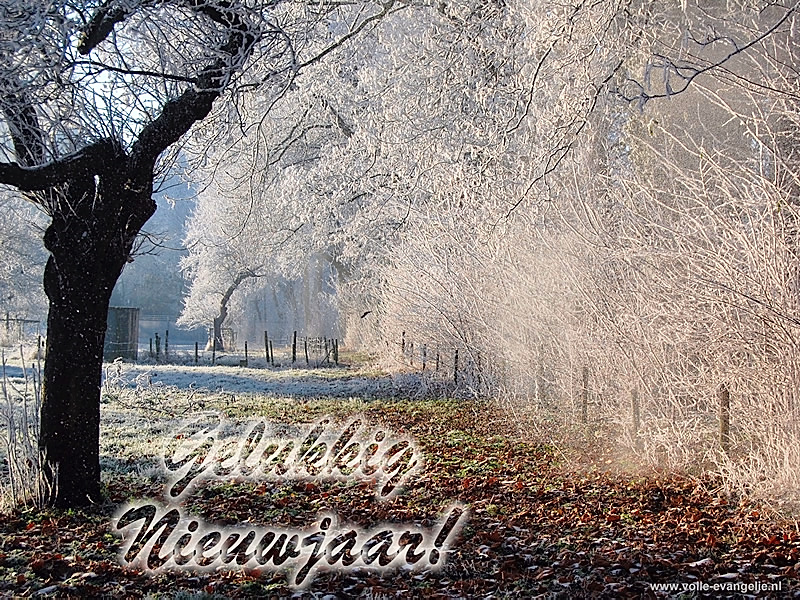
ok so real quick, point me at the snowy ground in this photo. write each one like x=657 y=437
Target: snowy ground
x=143 y=404
x=301 y=383
x=363 y=381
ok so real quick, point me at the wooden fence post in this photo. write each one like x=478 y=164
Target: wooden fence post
x=294 y=347
x=305 y=349
x=246 y=360
x=585 y=395
x=271 y=353
x=455 y=368
x=266 y=348
x=158 y=347
x=151 y=347
x=540 y=384
x=214 y=351
x=724 y=417
x=196 y=349
x=336 y=352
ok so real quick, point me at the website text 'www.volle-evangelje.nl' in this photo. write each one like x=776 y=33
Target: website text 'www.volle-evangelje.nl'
x=742 y=587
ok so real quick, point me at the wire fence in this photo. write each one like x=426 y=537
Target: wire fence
x=272 y=351
x=14 y=330
x=457 y=363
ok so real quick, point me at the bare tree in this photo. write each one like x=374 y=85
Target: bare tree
x=94 y=94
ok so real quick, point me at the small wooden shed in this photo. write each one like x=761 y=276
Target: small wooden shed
x=122 y=334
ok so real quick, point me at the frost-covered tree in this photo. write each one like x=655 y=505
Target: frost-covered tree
x=94 y=94
x=22 y=259
x=254 y=226
x=606 y=188
x=218 y=263
x=343 y=159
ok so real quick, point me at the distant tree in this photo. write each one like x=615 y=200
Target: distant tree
x=152 y=280
x=223 y=254
x=251 y=227
x=22 y=259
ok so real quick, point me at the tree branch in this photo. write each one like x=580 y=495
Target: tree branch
x=688 y=73
x=22 y=120
x=144 y=73
x=102 y=23
x=345 y=38
x=195 y=103
x=38 y=178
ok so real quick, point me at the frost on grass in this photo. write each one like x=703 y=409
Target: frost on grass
x=159 y=384
x=24 y=470
x=143 y=405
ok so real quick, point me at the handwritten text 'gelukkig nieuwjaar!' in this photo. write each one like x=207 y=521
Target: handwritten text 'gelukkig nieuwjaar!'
x=161 y=536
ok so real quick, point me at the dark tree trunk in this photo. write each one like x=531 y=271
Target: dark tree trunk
x=98 y=197
x=89 y=247
x=216 y=340
x=223 y=308
x=70 y=414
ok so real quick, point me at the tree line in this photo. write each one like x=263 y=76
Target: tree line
x=606 y=187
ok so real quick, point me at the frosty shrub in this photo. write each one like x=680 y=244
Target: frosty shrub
x=22 y=479
x=139 y=393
